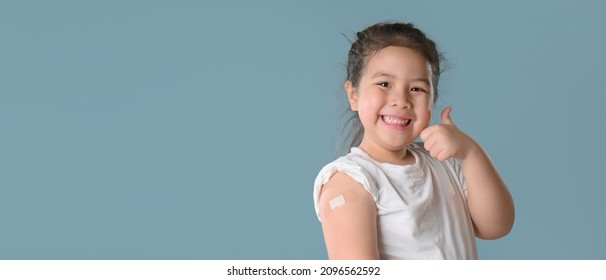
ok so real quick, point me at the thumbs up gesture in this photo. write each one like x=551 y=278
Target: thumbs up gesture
x=445 y=140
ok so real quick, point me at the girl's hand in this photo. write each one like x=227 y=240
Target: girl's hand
x=444 y=141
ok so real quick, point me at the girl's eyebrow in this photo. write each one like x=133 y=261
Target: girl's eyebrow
x=383 y=74
x=423 y=80
x=387 y=75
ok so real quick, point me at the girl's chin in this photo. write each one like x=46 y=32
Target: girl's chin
x=398 y=142
x=396 y=147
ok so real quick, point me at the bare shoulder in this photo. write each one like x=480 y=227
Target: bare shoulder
x=348 y=214
x=342 y=188
x=341 y=183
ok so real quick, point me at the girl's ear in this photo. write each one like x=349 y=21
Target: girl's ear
x=352 y=95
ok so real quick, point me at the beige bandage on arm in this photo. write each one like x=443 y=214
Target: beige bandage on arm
x=331 y=201
x=337 y=201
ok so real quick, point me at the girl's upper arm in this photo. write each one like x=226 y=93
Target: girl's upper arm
x=349 y=219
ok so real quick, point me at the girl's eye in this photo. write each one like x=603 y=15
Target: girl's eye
x=384 y=84
x=417 y=89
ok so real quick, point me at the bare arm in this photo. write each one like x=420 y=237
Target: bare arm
x=348 y=214
x=489 y=201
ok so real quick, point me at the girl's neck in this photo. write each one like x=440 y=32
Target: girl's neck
x=398 y=157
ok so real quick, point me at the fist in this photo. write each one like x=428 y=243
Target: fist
x=445 y=140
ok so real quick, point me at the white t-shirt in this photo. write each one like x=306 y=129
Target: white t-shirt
x=421 y=208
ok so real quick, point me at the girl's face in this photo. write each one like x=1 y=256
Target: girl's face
x=393 y=99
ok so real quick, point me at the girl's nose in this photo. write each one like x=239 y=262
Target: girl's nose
x=400 y=100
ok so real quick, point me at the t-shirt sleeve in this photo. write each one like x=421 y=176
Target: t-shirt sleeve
x=348 y=167
x=458 y=170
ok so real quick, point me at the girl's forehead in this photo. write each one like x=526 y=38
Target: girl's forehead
x=396 y=61
x=401 y=54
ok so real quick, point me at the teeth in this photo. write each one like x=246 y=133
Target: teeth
x=392 y=120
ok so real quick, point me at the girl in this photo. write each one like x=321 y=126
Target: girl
x=390 y=198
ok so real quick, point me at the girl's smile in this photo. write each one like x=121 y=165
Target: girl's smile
x=397 y=123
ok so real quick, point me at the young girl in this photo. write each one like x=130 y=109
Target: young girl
x=390 y=198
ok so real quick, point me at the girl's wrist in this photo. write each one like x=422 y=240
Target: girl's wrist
x=474 y=149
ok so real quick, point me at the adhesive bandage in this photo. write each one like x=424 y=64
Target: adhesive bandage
x=337 y=201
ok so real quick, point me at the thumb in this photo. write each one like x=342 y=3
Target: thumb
x=446 y=116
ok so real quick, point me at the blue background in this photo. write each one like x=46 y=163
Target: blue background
x=194 y=130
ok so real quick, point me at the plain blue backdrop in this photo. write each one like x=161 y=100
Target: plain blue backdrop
x=194 y=130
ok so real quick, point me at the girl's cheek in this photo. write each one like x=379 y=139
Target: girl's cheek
x=367 y=103
x=424 y=116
